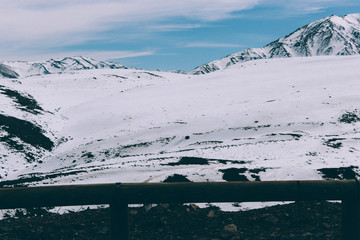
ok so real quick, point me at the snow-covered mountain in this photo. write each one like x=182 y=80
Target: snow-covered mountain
x=14 y=69
x=78 y=120
x=269 y=119
x=332 y=35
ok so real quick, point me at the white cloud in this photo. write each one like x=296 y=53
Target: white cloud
x=172 y=27
x=98 y=55
x=37 y=25
x=39 y=19
x=301 y=7
x=69 y=20
x=119 y=54
x=212 y=45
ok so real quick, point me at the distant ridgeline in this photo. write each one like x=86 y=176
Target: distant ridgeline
x=15 y=69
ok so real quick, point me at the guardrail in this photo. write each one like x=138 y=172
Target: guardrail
x=119 y=195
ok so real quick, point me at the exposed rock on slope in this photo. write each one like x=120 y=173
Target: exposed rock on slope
x=5 y=71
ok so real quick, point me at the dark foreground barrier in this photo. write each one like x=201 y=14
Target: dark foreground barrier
x=119 y=195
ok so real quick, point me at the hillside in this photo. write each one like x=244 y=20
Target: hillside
x=277 y=119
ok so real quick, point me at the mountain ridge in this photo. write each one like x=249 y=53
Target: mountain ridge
x=332 y=35
x=15 y=69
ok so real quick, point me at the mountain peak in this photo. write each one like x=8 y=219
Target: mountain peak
x=333 y=35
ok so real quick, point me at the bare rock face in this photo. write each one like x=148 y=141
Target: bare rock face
x=5 y=71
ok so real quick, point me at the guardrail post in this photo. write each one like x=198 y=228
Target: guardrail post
x=351 y=216
x=351 y=219
x=119 y=216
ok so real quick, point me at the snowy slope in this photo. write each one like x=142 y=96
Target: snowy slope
x=277 y=119
x=332 y=35
x=68 y=64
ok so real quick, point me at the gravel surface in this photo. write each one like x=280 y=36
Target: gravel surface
x=301 y=220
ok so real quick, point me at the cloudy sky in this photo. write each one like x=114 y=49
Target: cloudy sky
x=152 y=34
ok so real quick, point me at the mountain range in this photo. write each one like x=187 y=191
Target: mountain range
x=333 y=35
x=15 y=69
x=78 y=120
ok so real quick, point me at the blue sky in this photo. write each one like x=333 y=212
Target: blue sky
x=152 y=34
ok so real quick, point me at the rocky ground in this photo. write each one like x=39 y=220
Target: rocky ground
x=300 y=221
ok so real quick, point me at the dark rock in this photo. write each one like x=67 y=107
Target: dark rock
x=231 y=228
x=211 y=214
x=177 y=178
x=270 y=219
x=325 y=225
x=349 y=117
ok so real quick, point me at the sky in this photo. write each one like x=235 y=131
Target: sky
x=152 y=34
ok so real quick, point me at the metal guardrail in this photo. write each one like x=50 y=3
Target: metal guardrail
x=119 y=195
